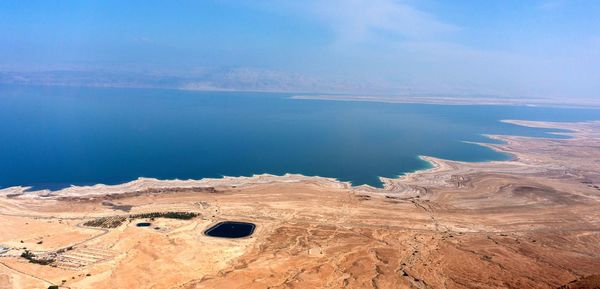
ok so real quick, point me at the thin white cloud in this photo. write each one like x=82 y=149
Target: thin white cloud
x=358 y=20
x=361 y=20
x=551 y=5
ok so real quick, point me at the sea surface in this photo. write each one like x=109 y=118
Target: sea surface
x=52 y=137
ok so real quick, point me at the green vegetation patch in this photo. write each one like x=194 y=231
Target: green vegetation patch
x=113 y=222
x=168 y=215
x=37 y=259
x=105 y=222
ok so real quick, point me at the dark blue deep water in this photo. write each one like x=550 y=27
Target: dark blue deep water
x=230 y=229
x=51 y=137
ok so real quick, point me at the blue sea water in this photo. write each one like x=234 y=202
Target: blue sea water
x=51 y=137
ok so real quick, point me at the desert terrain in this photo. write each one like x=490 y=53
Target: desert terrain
x=531 y=222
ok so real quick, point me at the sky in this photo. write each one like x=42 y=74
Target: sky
x=540 y=48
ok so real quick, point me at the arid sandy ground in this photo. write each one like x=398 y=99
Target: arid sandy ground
x=533 y=222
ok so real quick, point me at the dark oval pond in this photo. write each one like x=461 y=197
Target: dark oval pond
x=143 y=224
x=230 y=229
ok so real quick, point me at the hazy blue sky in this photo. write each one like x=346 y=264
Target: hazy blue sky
x=534 y=48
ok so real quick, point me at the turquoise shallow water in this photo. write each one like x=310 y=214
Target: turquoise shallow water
x=51 y=137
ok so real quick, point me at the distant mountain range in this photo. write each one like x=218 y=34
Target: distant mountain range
x=219 y=79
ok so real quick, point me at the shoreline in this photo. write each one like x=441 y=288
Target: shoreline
x=400 y=99
x=455 y=100
x=405 y=186
x=518 y=223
